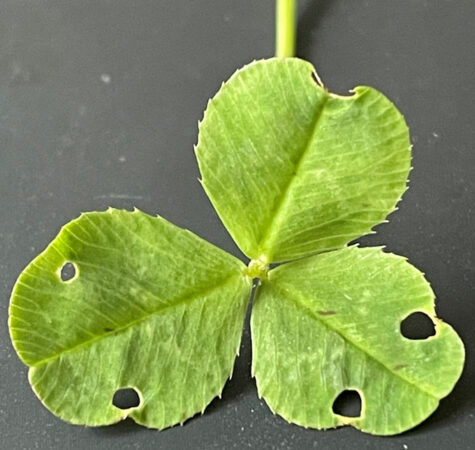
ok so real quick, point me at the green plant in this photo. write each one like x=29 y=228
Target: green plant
x=295 y=173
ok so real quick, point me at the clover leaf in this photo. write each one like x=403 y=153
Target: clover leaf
x=151 y=306
x=292 y=169
x=295 y=173
x=330 y=323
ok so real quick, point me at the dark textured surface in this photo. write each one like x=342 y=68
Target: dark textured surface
x=99 y=103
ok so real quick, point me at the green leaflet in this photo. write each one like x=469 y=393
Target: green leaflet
x=332 y=322
x=151 y=307
x=292 y=169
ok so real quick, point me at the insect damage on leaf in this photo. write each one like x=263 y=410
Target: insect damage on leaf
x=125 y=302
x=152 y=308
x=311 y=171
x=303 y=359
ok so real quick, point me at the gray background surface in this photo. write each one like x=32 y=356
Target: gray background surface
x=99 y=103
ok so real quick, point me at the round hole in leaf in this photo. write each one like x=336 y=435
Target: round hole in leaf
x=126 y=398
x=348 y=404
x=68 y=271
x=417 y=326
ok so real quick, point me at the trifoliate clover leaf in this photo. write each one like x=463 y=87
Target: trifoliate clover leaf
x=331 y=323
x=150 y=306
x=292 y=169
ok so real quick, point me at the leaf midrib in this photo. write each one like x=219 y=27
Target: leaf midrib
x=183 y=301
x=300 y=304
x=265 y=242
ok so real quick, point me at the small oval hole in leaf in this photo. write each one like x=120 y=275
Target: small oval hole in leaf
x=348 y=404
x=417 y=326
x=68 y=271
x=126 y=398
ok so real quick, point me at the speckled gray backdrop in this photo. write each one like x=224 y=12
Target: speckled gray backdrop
x=99 y=103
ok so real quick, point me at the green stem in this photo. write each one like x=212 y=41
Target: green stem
x=285 y=28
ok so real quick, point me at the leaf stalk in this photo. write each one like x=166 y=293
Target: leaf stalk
x=286 y=28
